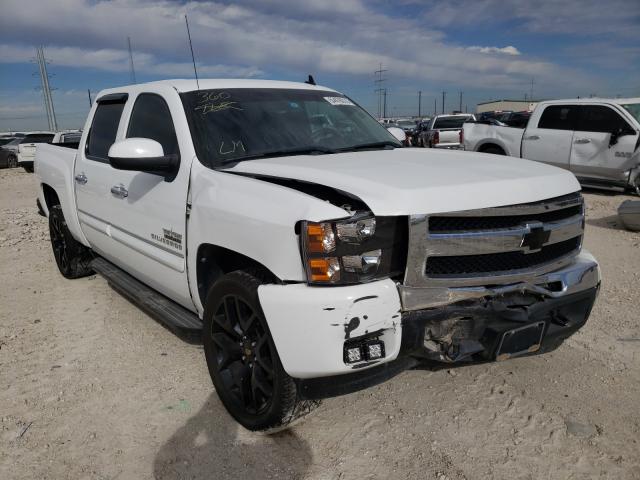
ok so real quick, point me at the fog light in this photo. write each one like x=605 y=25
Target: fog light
x=374 y=350
x=353 y=354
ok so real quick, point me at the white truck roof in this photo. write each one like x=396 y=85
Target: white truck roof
x=189 y=85
x=619 y=101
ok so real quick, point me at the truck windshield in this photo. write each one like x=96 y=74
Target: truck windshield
x=633 y=109
x=238 y=124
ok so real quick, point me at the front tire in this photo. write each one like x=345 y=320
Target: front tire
x=73 y=258
x=242 y=358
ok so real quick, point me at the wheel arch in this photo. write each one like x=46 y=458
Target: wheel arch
x=213 y=261
x=492 y=144
x=51 y=198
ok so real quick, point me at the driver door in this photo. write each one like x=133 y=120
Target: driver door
x=592 y=154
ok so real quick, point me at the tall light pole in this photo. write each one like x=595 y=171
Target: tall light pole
x=419 y=103
x=444 y=94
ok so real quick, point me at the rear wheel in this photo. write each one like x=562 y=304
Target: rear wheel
x=242 y=359
x=73 y=258
x=12 y=161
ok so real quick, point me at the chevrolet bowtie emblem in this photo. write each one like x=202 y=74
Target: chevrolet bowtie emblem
x=535 y=239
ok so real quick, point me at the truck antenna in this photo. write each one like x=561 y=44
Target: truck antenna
x=310 y=80
x=193 y=58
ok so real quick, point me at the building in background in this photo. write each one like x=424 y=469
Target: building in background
x=506 y=105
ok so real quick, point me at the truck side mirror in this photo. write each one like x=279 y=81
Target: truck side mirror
x=142 y=155
x=398 y=133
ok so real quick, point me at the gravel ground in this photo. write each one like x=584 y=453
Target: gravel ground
x=92 y=388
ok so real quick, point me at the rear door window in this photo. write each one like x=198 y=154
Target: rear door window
x=43 y=138
x=598 y=118
x=151 y=119
x=104 y=128
x=558 y=117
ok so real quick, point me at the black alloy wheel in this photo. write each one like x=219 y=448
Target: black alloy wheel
x=244 y=356
x=73 y=258
x=59 y=242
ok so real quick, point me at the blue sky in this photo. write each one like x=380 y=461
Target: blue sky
x=485 y=48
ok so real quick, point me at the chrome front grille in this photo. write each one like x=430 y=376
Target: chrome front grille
x=494 y=245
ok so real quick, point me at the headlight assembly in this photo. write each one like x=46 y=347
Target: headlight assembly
x=354 y=250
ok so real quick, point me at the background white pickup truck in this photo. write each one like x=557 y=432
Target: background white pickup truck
x=596 y=139
x=312 y=259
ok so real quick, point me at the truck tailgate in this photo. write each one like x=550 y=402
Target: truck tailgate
x=450 y=135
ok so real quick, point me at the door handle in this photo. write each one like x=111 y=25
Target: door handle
x=532 y=137
x=582 y=140
x=81 y=178
x=119 y=191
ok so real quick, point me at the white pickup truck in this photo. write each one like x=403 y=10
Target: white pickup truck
x=596 y=139
x=312 y=262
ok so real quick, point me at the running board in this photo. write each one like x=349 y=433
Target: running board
x=175 y=317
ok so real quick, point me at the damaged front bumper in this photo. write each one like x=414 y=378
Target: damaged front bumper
x=311 y=326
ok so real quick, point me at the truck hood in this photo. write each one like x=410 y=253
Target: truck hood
x=409 y=181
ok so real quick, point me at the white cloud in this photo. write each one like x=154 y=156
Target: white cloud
x=118 y=61
x=251 y=37
x=508 y=50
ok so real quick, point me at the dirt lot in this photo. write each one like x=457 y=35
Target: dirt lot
x=91 y=388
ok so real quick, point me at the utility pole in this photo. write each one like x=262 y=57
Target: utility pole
x=531 y=91
x=460 y=109
x=419 y=103
x=46 y=90
x=384 y=108
x=131 y=67
x=42 y=88
x=444 y=94
x=379 y=90
x=435 y=106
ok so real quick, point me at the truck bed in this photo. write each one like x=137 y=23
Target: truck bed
x=479 y=135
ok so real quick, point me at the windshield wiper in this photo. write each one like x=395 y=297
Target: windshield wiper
x=280 y=153
x=368 y=146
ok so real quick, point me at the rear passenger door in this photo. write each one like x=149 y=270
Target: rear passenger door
x=592 y=154
x=550 y=140
x=94 y=175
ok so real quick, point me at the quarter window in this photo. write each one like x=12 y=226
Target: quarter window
x=104 y=129
x=151 y=119
x=598 y=118
x=558 y=117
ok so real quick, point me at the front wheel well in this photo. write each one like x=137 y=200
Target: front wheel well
x=214 y=261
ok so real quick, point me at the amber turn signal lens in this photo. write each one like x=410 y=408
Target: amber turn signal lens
x=324 y=269
x=320 y=238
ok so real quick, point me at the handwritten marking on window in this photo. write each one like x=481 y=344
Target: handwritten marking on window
x=235 y=146
x=215 y=102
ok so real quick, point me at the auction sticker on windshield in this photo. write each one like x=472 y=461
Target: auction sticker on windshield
x=339 y=101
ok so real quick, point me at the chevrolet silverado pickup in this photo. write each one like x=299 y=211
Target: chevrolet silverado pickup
x=313 y=260
x=596 y=139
